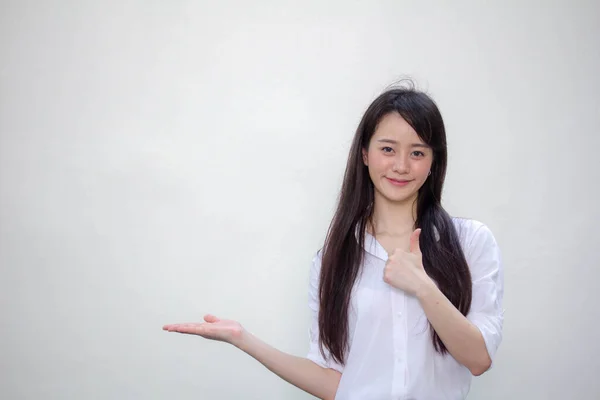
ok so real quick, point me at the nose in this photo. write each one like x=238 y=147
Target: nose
x=401 y=165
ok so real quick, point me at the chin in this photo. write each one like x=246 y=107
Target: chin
x=402 y=200
x=395 y=194
x=399 y=198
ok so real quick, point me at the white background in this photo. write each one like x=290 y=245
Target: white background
x=161 y=160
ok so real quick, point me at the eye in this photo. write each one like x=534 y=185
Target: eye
x=387 y=149
x=418 y=153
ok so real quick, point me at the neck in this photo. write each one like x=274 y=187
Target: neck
x=394 y=219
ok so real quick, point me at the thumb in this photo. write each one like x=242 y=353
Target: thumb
x=414 y=242
x=211 y=318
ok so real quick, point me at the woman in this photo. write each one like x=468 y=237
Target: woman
x=406 y=301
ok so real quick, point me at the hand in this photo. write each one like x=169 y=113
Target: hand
x=404 y=270
x=214 y=328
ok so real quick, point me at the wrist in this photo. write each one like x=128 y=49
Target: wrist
x=241 y=339
x=426 y=289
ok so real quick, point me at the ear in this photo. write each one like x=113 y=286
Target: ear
x=365 y=157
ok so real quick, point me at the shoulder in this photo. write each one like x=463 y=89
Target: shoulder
x=473 y=234
x=315 y=269
x=317 y=257
x=480 y=248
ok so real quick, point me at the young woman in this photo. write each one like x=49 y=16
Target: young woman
x=406 y=300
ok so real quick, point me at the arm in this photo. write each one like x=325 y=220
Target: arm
x=471 y=340
x=474 y=339
x=317 y=375
x=461 y=337
x=300 y=372
x=314 y=374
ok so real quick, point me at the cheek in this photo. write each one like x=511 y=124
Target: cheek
x=422 y=169
x=380 y=164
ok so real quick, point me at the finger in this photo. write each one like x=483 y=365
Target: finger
x=183 y=328
x=192 y=329
x=170 y=327
x=414 y=242
x=195 y=329
x=211 y=318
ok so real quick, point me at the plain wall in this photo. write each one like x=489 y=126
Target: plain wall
x=162 y=160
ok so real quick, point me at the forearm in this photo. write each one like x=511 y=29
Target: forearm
x=462 y=338
x=300 y=372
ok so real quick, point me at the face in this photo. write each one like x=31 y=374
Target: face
x=398 y=160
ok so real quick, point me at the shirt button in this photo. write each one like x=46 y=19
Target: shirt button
x=399 y=313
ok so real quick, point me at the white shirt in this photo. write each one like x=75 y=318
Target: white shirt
x=391 y=353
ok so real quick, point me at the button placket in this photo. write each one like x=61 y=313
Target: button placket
x=398 y=300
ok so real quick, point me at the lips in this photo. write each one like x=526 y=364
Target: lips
x=398 y=182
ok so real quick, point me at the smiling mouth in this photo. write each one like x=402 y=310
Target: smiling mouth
x=398 y=182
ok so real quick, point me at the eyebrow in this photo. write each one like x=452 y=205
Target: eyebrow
x=420 y=145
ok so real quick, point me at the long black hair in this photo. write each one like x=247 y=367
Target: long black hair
x=342 y=255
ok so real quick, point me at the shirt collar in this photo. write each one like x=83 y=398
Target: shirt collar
x=373 y=247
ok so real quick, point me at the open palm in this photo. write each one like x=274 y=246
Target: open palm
x=213 y=328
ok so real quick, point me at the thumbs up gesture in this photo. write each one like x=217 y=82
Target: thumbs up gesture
x=404 y=269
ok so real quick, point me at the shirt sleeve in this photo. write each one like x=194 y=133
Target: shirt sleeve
x=314 y=353
x=486 y=313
